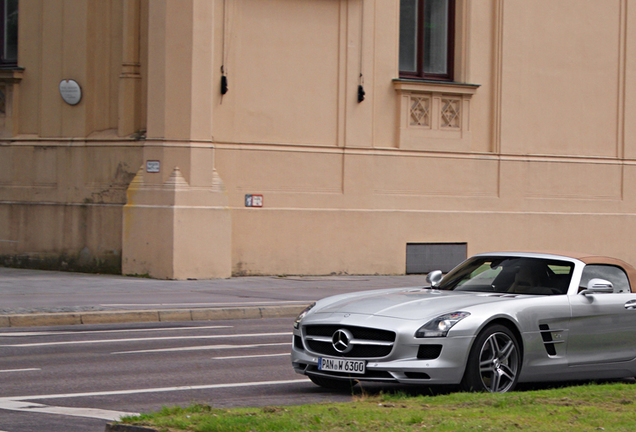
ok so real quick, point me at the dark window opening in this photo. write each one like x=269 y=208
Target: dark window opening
x=9 y=32
x=427 y=29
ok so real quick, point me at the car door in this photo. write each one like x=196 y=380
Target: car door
x=603 y=326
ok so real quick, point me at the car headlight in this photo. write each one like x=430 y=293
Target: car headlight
x=302 y=315
x=440 y=326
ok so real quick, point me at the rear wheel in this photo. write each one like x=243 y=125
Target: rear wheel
x=494 y=361
x=332 y=383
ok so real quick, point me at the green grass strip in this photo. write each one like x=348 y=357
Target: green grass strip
x=591 y=407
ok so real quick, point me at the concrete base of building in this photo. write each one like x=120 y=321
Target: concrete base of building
x=175 y=231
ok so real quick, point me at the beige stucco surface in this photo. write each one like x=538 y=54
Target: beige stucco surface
x=541 y=153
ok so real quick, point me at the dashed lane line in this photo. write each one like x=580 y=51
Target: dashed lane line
x=70 y=333
x=252 y=356
x=201 y=348
x=101 y=341
x=198 y=305
x=19 y=370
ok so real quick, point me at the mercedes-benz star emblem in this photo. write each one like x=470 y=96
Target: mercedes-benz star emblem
x=341 y=341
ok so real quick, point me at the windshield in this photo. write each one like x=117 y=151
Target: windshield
x=536 y=276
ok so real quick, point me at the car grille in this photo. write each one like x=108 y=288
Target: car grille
x=358 y=332
x=366 y=342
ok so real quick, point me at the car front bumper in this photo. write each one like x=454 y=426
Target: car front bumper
x=402 y=365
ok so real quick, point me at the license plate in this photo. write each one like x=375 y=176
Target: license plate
x=342 y=365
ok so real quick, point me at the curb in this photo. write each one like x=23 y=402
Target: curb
x=158 y=315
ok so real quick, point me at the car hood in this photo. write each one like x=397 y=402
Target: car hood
x=411 y=303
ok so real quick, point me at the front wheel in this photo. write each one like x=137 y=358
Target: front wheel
x=494 y=361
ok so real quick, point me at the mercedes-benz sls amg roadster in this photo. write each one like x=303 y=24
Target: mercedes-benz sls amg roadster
x=495 y=320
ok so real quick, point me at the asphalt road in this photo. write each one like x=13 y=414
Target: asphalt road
x=32 y=291
x=76 y=378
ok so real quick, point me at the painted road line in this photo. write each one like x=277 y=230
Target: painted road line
x=101 y=341
x=19 y=370
x=200 y=305
x=14 y=405
x=151 y=390
x=202 y=348
x=252 y=356
x=69 y=332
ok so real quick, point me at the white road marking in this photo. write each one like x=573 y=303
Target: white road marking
x=52 y=333
x=198 y=305
x=252 y=356
x=19 y=370
x=150 y=390
x=100 y=341
x=197 y=348
x=15 y=405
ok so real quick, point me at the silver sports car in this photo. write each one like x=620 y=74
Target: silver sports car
x=495 y=320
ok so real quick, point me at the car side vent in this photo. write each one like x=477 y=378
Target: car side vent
x=548 y=339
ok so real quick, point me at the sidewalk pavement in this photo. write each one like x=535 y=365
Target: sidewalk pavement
x=30 y=298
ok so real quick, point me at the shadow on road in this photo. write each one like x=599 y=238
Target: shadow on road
x=375 y=389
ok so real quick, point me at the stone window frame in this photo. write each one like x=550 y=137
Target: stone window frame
x=434 y=115
x=10 y=100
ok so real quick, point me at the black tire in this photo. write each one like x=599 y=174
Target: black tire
x=494 y=361
x=333 y=383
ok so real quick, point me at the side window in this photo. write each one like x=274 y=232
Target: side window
x=615 y=275
x=427 y=39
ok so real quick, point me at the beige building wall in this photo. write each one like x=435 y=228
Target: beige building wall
x=65 y=169
x=531 y=147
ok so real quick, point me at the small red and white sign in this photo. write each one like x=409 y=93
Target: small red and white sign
x=253 y=200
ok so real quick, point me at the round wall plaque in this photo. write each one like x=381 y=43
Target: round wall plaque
x=71 y=92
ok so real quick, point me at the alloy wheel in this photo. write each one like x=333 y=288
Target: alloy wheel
x=498 y=363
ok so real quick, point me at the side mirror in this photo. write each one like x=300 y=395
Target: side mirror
x=434 y=278
x=598 y=286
